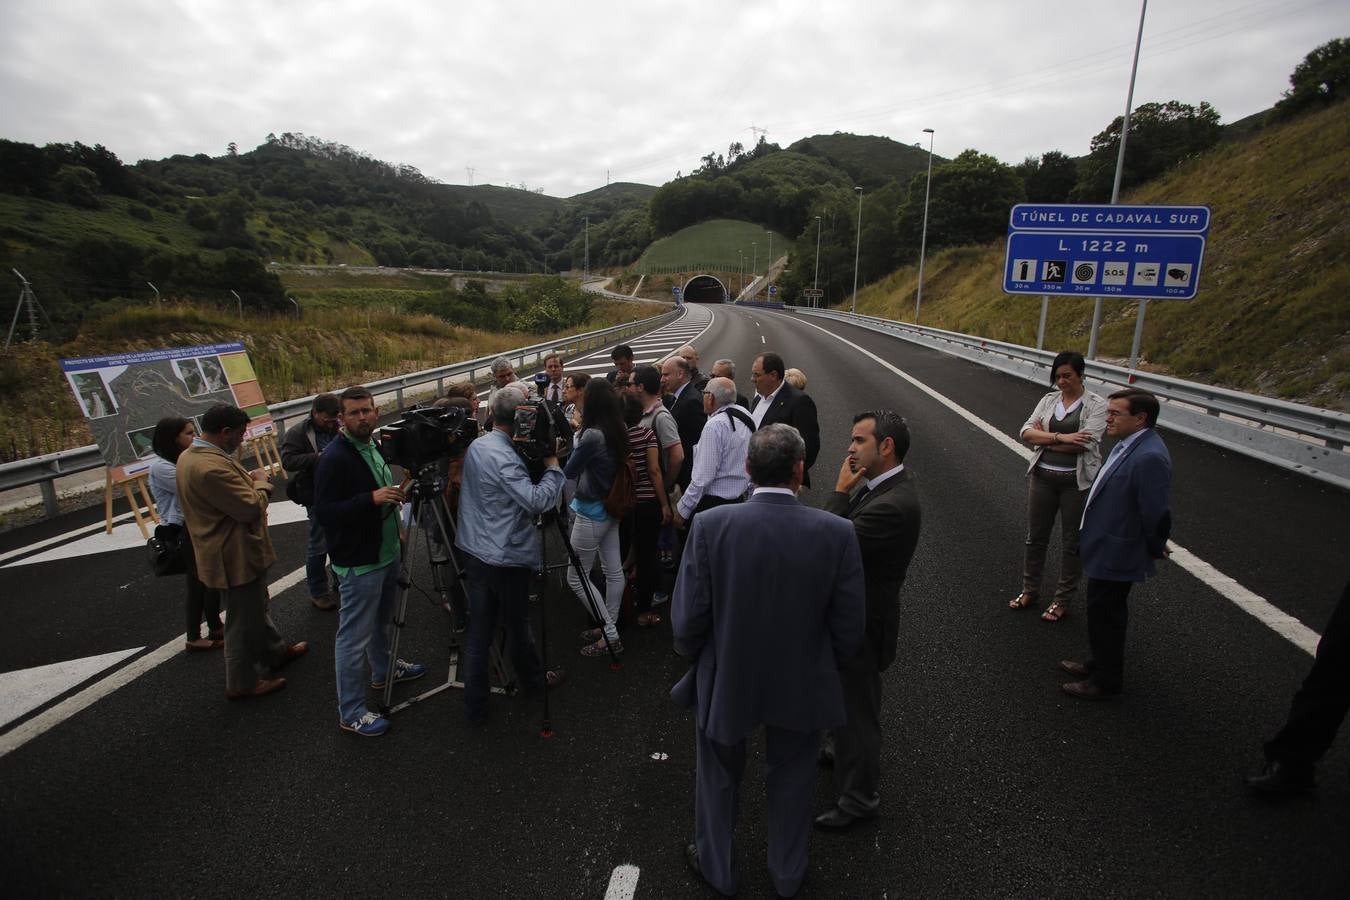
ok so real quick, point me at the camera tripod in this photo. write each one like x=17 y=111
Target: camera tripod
x=593 y=603
x=433 y=524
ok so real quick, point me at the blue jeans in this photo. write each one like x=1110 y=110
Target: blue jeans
x=494 y=589
x=316 y=558
x=364 y=626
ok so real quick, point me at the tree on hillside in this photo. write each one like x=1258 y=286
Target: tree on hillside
x=1320 y=80
x=1161 y=135
x=969 y=203
x=1049 y=179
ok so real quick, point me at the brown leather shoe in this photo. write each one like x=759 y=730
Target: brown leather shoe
x=262 y=687
x=1073 y=667
x=1086 y=690
x=294 y=651
x=199 y=644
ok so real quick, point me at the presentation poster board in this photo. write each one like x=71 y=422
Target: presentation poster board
x=124 y=395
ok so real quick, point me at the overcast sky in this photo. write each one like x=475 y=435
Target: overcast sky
x=562 y=95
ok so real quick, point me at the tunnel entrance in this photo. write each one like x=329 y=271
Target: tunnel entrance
x=704 y=289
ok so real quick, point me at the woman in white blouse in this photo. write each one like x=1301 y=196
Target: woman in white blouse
x=1065 y=430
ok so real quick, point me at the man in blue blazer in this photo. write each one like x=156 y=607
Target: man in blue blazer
x=1126 y=523
x=769 y=599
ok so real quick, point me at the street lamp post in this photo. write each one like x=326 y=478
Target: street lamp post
x=815 y=283
x=857 y=251
x=923 y=239
x=768 y=267
x=586 y=266
x=754 y=258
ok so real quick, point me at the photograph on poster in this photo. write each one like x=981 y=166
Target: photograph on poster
x=191 y=376
x=214 y=374
x=95 y=399
x=142 y=441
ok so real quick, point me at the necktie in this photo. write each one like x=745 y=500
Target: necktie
x=857 y=501
x=553 y=392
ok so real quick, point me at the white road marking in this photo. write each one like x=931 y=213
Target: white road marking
x=1263 y=610
x=88 y=529
x=49 y=719
x=128 y=535
x=623 y=882
x=24 y=690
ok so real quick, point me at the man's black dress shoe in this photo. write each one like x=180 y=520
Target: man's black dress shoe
x=1087 y=690
x=835 y=819
x=691 y=857
x=1278 y=780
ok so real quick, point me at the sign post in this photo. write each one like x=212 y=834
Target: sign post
x=1139 y=252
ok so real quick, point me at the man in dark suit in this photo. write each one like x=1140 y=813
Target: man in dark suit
x=769 y=599
x=685 y=403
x=1126 y=522
x=885 y=516
x=775 y=401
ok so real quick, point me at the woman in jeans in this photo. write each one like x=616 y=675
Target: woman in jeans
x=172 y=436
x=1066 y=430
x=600 y=445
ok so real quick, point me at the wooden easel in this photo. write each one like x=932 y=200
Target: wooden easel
x=136 y=489
x=264 y=450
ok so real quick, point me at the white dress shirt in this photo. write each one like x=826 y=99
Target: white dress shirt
x=719 y=461
x=764 y=403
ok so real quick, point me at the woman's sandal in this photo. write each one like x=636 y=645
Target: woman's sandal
x=1054 y=612
x=1021 y=601
x=648 y=619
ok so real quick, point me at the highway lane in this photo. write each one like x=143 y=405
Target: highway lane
x=995 y=782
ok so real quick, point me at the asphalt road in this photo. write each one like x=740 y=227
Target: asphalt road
x=995 y=783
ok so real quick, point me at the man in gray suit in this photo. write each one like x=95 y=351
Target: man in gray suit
x=768 y=600
x=885 y=517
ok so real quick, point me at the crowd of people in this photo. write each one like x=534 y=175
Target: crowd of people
x=791 y=635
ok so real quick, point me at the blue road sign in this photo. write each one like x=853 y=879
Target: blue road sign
x=675 y=291
x=1149 y=252
x=773 y=289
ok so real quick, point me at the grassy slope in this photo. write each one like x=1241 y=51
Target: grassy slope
x=871 y=161
x=1273 y=312
x=713 y=245
x=328 y=349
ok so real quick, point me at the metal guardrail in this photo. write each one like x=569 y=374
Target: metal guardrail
x=45 y=469
x=1293 y=436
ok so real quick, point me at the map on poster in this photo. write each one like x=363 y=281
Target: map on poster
x=124 y=395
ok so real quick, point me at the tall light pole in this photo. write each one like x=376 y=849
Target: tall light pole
x=741 y=267
x=768 y=267
x=857 y=251
x=815 y=284
x=754 y=258
x=1115 y=189
x=586 y=266
x=923 y=239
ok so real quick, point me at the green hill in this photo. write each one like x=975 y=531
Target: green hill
x=1273 y=312
x=713 y=246
x=870 y=161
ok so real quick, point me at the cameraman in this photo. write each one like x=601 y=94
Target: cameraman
x=497 y=503
x=357 y=502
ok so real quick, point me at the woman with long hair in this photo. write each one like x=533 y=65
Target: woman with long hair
x=173 y=435
x=601 y=446
x=1065 y=429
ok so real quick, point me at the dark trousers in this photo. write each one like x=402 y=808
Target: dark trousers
x=495 y=590
x=1107 y=615
x=1320 y=705
x=252 y=642
x=202 y=601
x=709 y=502
x=640 y=531
x=857 y=743
x=789 y=781
x=1050 y=494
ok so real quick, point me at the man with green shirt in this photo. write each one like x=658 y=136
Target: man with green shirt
x=357 y=502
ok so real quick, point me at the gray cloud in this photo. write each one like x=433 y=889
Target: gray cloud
x=552 y=95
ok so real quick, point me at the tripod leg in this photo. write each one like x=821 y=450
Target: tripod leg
x=589 y=590
x=405 y=563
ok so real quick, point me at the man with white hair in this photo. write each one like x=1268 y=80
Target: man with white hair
x=503 y=374
x=718 y=475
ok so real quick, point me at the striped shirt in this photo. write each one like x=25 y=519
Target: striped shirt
x=719 y=461
x=640 y=437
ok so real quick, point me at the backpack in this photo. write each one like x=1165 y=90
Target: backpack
x=622 y=496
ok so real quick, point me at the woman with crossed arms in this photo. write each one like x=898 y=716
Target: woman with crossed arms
x=1065 y=430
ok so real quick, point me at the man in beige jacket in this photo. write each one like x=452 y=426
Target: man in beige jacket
x=225 y=510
